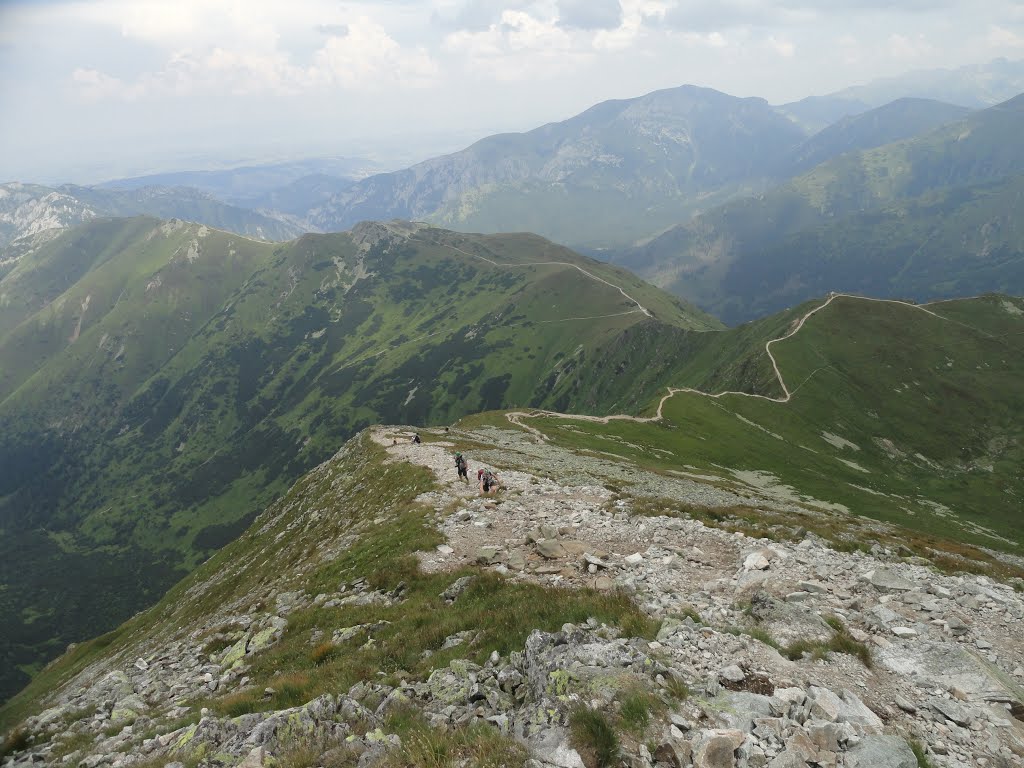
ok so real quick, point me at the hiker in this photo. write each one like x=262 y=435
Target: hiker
x=488 y=481
x=462 y=467
x=416 y=438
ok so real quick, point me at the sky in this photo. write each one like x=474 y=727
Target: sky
x=96 y=89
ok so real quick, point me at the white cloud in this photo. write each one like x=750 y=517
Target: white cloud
x=908 y=47
x=850 y=50
x=93 y=85
x=367 y=57
x=784 y=48
x=635 y=13
x=517 y=47
x=1002 y=38
x=356 y=54
x=697 y=40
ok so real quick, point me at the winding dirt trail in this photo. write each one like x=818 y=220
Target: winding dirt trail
x=516 y=417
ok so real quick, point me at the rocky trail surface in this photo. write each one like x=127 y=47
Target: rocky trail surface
x=778 y=654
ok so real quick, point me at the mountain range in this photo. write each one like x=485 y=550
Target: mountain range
x=974 y=86
x=28 y=209
x=618 y=174
x=928 y=216
x=248 y=186
x=642 y=163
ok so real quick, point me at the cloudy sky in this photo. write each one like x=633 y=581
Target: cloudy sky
x=93 y=89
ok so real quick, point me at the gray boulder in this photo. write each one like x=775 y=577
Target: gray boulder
x=888 y=581
x=717 y=749
x=877 y=751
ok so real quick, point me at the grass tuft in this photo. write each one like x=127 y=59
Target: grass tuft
x=310 y=751
x=236 y=704
x=677 y=688
x=840 y=642
x=636 y=709
x=592 y=735
x=478 y=745
x=71 y=744
x=323 y=653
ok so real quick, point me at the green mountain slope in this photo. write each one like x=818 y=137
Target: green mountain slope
x=149 y=410
x=618 y=171
x=900 y=119
x=959 y=242
x=737 y=242
x=906 y=414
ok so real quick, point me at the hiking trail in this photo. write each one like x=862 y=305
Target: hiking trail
x=515 y=417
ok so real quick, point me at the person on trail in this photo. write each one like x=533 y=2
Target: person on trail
x=461 y=467
x=488 y=481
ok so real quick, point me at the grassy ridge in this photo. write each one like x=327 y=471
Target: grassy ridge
x=897 y=415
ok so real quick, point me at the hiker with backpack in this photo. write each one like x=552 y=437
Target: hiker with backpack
x=461 y=467
x=488 y=481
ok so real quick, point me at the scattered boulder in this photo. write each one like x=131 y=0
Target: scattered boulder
x=889 y=581
x=717 y=749
x=878 y=751
x=487 y=555
x=551 y=549
x=755 y=561
x=457 y=587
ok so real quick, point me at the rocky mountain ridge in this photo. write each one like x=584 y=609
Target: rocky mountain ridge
x=619 y=170
x=759 y=652
x=30 y=209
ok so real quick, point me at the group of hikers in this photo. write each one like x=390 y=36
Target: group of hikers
x=487 y=479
